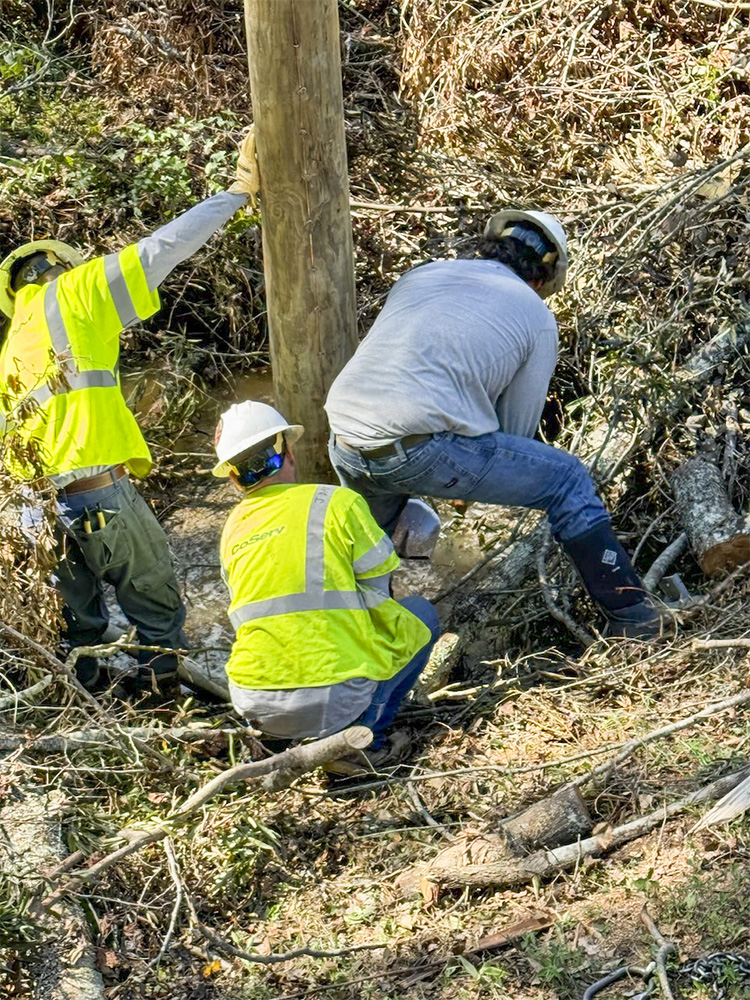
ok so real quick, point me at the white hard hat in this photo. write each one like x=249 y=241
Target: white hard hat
x=245 y=424
x=63 y=254
x=499 y=223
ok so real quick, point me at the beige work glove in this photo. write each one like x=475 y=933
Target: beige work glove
x=248 y=177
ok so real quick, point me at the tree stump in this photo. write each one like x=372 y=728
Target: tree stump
x=717 y=533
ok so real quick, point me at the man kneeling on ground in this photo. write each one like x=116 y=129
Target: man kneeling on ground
x=320 y=643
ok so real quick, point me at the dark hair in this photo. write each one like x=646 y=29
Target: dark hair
x=519 y=257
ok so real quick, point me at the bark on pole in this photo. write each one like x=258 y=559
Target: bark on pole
x=295 y=82
x=716 y=531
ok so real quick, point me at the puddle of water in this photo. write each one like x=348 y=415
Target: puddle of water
x=458 y=551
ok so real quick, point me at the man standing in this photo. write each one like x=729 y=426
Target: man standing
x=445 y=393
x=320 y=643
x=63 y=416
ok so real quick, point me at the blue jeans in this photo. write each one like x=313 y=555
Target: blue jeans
x=129 y=551
x=389 y=694
x=492 y=468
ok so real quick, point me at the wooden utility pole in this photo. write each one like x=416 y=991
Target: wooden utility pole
x=295 y=83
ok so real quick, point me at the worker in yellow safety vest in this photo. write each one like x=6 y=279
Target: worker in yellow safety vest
x=63 y=417
x=320 y=643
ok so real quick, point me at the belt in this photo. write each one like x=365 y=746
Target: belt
x=387 y=450
x=95 y=482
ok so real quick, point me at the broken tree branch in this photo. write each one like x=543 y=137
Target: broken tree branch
x=59 y=669
x=25 y=694
x=280 y=770
x=498 y=867
x=741 y=642
x=661 y=564
x=665 y=948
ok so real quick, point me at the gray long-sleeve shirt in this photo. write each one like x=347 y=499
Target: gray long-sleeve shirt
x=179 y=239
x=460 y=345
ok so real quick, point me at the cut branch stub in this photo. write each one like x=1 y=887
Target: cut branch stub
x=716 y=531
x=558 y=819
x=511 y=853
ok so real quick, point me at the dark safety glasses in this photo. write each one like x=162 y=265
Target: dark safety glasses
x=265 y=463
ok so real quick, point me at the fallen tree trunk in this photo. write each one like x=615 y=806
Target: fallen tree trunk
x=716 y=532
x=605 y=449
x=489 y=862
x=64 y=968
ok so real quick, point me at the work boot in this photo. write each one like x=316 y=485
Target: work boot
x=608 y=574
x=156 y=681
x=89 y=673
x=367 y=762
x=639 y=621
x=97 y=678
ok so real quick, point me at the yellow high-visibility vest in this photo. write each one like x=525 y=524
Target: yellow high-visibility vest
x=59 y=381
x=303 y=564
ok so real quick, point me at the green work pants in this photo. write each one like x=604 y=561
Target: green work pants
x=130 y=552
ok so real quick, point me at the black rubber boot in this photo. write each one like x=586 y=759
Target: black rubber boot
x=608 y=575
x=89 y=673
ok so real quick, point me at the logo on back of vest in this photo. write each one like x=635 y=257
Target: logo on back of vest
x=260 y=536
x=609 y=557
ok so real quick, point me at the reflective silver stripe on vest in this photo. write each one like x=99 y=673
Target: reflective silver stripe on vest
x=73 y=381
x=119 y=290
x=70 y=378
x=314 y=597
x=330 y=600
x=374 y=556
x=56 y=326
x=381 y=583
x=315 y=556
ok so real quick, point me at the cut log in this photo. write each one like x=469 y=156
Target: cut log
x=560 y=818
x=717 y=533
x=489 y=861
x=65 y=967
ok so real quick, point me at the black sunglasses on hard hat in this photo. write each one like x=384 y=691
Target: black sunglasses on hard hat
x=28 y=270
